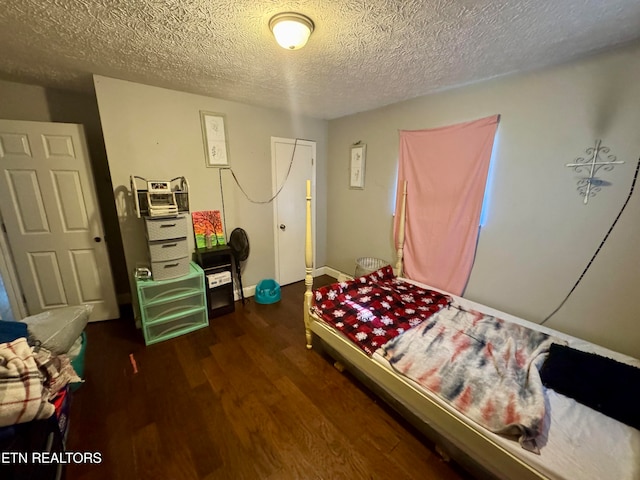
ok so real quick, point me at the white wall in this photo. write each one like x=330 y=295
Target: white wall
x=23 y=102
x=156 y=133
x=539 y=236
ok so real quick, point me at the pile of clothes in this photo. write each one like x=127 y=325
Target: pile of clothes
x=36 y=368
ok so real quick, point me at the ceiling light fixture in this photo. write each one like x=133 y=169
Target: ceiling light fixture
x=292 y=30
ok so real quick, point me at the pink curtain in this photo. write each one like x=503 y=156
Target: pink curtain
x=446 y=172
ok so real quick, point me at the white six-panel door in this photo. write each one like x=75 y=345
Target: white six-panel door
x=290 y=204
x=53 y=223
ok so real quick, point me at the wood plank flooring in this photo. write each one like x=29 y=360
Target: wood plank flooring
x=241 y=399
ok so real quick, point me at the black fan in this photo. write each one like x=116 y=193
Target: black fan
x=239 y=244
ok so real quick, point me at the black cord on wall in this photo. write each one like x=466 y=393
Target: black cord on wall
x=633 y=184
x=224 y=217
x=260 y=202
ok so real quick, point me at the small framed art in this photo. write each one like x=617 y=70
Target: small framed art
x=214 y=135
x=356 y=166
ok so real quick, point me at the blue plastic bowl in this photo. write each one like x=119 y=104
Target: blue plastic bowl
x=267 y=291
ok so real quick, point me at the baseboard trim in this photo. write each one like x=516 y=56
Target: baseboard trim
x=332 y=272
x=250 y=291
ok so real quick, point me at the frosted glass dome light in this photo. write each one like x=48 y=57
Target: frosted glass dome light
x=292 y=30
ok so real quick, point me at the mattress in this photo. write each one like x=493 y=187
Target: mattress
x=580 y=442
x=577 y=442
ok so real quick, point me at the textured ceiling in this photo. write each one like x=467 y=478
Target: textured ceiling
x=362 y=55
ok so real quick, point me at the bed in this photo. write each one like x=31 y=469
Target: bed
x=571 y=441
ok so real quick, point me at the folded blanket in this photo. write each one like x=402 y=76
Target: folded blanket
x=56 y=370
x=482 y=366
x=608 y=386
x=23 y=396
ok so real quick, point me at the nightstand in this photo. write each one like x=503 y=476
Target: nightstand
x=218 y=272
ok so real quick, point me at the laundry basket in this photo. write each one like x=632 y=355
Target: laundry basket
x=366 y=265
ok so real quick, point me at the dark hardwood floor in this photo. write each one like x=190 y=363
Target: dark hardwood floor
x=241 y=399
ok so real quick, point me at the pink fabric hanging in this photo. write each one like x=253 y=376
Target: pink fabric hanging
x=446 y=172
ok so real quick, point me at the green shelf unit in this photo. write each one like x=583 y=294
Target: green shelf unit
x=169 y=308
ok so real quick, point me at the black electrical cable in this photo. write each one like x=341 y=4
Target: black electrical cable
x=633 y=184
x=224 y=217
x=295 y=144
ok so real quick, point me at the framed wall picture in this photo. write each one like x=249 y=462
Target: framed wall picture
x=214 y=135
x=356 y=166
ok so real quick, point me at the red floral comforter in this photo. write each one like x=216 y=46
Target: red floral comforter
x=373 y=309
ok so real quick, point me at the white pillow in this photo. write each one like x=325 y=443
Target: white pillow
x=57 y=329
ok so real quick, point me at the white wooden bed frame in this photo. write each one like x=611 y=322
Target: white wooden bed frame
x=469 y=446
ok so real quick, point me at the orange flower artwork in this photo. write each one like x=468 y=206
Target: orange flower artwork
x=208 y=224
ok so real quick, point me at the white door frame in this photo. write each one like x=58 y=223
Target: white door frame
x=10 y=278
x=275 y=187
x=108 y=307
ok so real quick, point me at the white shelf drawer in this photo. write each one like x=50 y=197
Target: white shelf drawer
x=166 y=228
x=170 y=269
x=168 y=250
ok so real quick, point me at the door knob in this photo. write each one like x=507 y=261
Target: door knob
x=97 y=239
x=283 y=227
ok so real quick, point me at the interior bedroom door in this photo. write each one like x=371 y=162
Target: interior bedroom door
x=51 y=215
x=290 y=206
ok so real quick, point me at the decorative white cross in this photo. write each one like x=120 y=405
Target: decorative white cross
x=588 y=187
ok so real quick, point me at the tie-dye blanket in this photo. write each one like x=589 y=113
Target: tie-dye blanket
x=373 y=309
x=484 y=367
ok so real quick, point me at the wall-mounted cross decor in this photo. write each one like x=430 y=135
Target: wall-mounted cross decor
x=592 y=162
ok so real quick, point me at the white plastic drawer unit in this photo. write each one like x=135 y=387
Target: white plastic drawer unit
x=160 y=291
x=166 y=228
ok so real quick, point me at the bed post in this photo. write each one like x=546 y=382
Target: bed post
x=401 y=227
x=308 y=278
